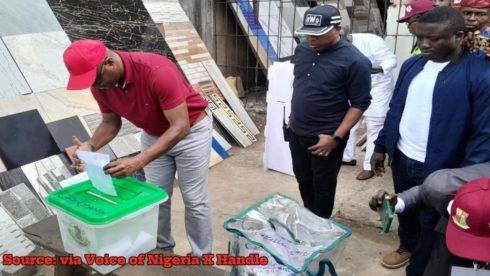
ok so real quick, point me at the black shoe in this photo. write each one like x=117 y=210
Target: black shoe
x=350 y=163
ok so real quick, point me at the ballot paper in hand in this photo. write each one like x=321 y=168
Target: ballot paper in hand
x=94 y=164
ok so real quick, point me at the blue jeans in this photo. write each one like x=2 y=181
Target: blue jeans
x=416 y=229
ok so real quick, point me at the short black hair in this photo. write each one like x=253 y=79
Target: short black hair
x=452 y=19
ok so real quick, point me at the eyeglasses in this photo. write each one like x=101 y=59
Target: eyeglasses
x=100 y=72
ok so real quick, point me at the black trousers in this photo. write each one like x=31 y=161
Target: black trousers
x=316 y=175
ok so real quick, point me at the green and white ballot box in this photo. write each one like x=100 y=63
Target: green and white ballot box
x=92 y=222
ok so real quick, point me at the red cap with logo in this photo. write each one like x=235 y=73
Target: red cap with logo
x=81 y=59
x=477 y=4
x=468 y=230
x=416 y=7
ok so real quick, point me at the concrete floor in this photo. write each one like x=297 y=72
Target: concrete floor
x=240 y=181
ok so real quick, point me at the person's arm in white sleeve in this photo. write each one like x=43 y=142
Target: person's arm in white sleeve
x=384 y=56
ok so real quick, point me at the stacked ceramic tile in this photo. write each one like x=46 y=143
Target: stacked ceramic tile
x=22 y=206
x=200 y=69
x=46 y=174
x=12 y=241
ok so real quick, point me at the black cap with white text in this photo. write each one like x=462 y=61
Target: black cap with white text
x=320 y=20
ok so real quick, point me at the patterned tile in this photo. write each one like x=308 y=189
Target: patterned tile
x=165 y=11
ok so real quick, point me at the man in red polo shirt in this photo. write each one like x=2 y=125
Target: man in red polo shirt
x=149 y=91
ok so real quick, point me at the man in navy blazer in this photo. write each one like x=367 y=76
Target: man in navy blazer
x=439 y=118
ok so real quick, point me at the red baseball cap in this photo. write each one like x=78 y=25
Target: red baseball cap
x=416 y=7
x=477 y=4
x=468 y=230
x=81 y=59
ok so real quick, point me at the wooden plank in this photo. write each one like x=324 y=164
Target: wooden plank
x=230 y=96
x=230 y=122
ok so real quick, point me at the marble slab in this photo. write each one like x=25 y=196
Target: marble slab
x=12 y=82
x=39 y=57
x=123 y=25
x=61 y=103
x=21 y=103
x=26 y=16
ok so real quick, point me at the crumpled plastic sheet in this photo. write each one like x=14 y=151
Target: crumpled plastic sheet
x=239 y=246
x=288 y=231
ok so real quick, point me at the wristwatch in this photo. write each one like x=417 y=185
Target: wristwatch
x=336 y=138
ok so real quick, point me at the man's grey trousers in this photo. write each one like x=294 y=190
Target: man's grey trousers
x=190 y=159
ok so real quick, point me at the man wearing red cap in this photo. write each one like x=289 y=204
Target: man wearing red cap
x=149 y=90
x=475 y=13
x=468 y=230
x=412 y=12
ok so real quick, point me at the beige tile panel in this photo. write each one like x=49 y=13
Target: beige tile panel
x=60 y=103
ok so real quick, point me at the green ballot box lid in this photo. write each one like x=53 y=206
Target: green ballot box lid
x=85 y=203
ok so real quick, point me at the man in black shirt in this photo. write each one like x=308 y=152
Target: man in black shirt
x=332 y=80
